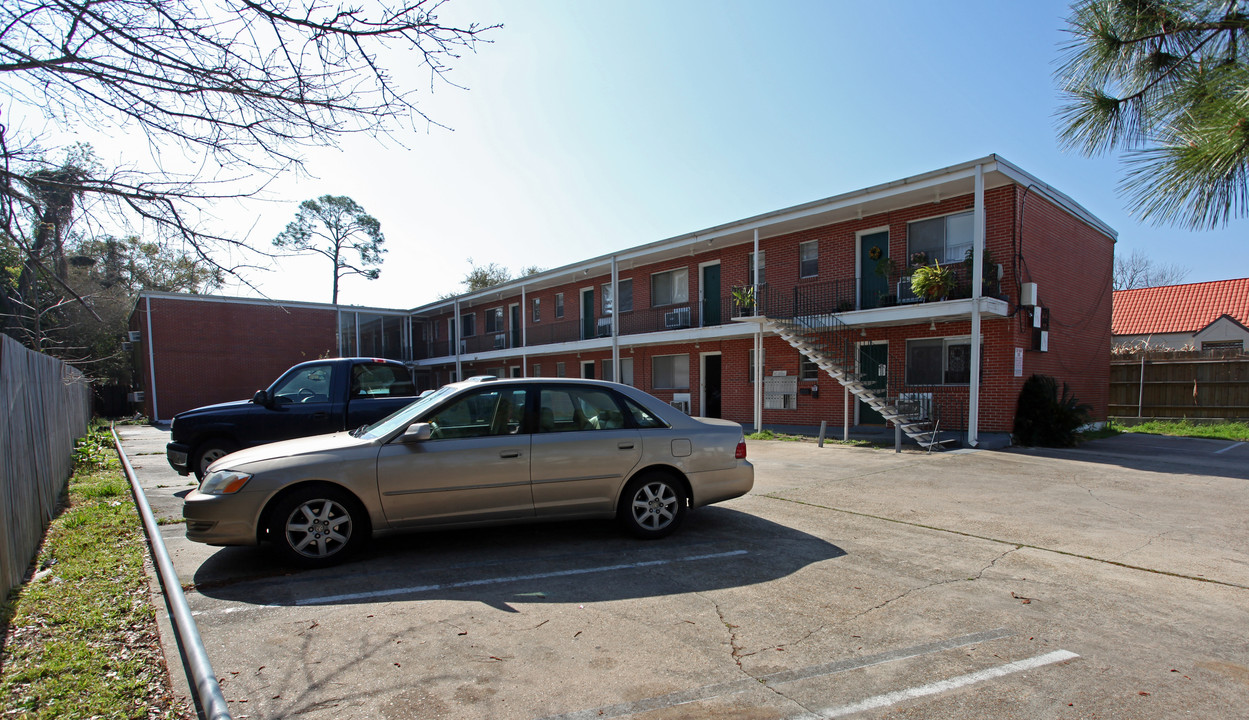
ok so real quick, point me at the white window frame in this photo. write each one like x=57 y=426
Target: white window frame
x=946 y=343
x=945 y=249
x=680 y=289
x=763 y=266
x=676 y=379
x=815 y=258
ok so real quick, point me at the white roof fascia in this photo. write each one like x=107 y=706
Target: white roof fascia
x=1055 y=196
x=155 y=294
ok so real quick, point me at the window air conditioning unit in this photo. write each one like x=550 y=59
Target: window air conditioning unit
x=135 y=397
x=134 y=336
x=604 y=327
x=679 y=318
x=500 y=341
x=905 y=293
x=916 y=406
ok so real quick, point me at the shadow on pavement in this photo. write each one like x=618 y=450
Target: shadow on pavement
x=572 y=562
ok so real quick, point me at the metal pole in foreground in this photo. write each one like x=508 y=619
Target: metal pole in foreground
x=823 y=426
x=203 y=681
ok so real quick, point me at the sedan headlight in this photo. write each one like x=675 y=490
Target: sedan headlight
x=224 y=482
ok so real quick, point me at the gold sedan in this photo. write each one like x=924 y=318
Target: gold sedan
x=481 y=452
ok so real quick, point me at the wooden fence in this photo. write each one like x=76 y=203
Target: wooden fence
x=1179 y=384
x=44 y=406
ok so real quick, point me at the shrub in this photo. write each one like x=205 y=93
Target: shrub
x=1045 y=418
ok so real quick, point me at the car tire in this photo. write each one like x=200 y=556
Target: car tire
x=652 y=506
x=209 y=451
x=317 y=525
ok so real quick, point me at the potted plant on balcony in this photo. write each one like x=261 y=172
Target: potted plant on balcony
x=744 y=300
x=932 y=282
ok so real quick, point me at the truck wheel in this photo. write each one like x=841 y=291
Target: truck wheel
x=209 y=452
x=317 y=525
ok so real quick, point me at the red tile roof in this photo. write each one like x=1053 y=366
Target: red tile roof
x=1179 y=308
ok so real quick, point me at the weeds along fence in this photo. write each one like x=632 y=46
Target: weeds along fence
x=1180 y=384
x=44 y=406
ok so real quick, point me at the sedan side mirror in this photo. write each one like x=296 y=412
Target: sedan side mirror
x=418 y=432
x=261 y=398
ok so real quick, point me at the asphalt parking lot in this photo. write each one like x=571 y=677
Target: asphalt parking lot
x=1110 y=581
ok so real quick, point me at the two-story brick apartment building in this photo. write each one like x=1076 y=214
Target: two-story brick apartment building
x=822 y=293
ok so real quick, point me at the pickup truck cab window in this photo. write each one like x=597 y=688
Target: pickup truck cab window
x=307 y=384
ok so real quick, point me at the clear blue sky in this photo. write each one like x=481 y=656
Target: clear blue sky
x=589 y=127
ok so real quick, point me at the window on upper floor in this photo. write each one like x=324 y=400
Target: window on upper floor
x=670 y=287
x=626 y=295
x=494 y=320
x=750 y=267
x=809 y=259
x=559 y=305
x=942 y=239
x=537 y=310
x=468 y=325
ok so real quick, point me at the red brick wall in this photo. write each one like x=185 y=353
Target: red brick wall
x=208 y=352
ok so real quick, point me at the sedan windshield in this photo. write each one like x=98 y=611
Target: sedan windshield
x=404 y=415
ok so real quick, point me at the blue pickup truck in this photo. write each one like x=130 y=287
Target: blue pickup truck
x=312 y=398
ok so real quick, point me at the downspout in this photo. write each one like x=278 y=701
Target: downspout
x=615 y=330
x=151 y=360
x=977 y=281
x=758 y=342
x=459 y=372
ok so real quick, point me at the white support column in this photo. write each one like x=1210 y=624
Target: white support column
x=758 y=342
x=615 y=314
x=459 y=372
x=977 y=277
x=524 y=334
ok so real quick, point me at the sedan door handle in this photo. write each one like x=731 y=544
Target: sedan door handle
x=510 y=454
x=625 y=445
x=320 y=415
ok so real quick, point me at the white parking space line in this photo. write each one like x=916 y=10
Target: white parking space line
x=415 y=589
x=709 y=692
x=1229 y=447
x=893 y=698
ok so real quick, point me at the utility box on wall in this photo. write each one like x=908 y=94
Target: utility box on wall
x=1040 y=329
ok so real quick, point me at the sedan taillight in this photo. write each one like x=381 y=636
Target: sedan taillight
x=741 y=450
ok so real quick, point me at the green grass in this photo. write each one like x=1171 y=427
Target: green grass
x=787 y=437
x=1184 y=428
x=81 y=638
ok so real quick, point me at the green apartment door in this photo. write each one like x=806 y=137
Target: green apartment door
x=587 y=314
x=871 y=284
x=711 y=297
x=874 y=368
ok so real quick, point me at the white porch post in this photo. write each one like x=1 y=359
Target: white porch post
x=615 y=313
x=758 y=341
x=459 y=372
x=977 y=278
x=524 y=335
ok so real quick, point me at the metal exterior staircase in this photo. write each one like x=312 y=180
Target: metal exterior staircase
x=830 y=346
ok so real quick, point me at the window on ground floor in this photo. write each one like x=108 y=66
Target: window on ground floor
x=670 y=372
x=938 y=361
